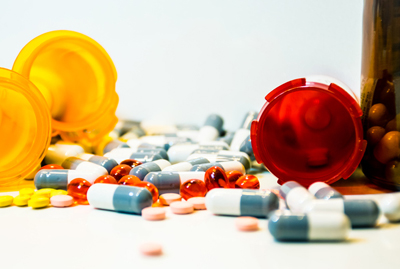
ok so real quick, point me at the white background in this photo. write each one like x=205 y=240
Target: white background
x=181 y=60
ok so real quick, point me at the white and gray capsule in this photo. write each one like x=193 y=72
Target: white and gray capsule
x=75 y=163
x=226 y=166
x=362 y=213
x=114 y=144
x=60 y=178
x=142 y=170
x=144 y=154
x=211 y=128
x=180 y=152
x=295 y=195
x=223 y=156
x=321 y=190
x=186 y=166
x=164 y=141
x=107 y=163
x=119 y=198
x=171 y=181
x=244 y=131
x=227 y=138
x=316 y=226
x=247 y=148
x=241 y=202
x=57 y=154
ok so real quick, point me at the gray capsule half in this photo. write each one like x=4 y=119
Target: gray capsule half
x=316 y=226
x=241 y=202
x=247 y=148
x=170 y=182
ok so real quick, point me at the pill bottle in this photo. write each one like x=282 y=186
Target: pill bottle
x=309 y=130
x=380 y=92
x=25 y=128
x=77 y=78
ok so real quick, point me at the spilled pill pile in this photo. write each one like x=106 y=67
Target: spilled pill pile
x=205 y=175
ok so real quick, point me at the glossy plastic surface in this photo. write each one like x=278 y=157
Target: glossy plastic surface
x=309 y=131
x=77 y=79
x=25 y=130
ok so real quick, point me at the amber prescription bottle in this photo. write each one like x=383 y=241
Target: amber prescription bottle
x=64 y=83
x=309 y=130
x=25 y=130
x=77 y=79
x=380 y=91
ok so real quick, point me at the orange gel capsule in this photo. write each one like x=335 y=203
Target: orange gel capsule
x=78 y=189
x=215 y=177
x=193 y=188
x=120 y=170
x=51 y=166
x=152 y=189
x=129 y=180
x=247 y=182
x=131 y=162
x=106 y=179
x=232 y=177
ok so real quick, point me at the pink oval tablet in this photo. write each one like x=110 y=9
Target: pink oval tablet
x=151 y=249
x=246 y=224
x=181 y=207
x=168 y=198
x=198 y=203
x=153 y=213
x=61 y=200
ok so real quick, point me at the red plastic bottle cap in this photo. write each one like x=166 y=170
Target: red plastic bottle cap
x=309 y=130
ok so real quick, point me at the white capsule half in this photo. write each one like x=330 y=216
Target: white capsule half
x=390 y=206
x=238 y=138
x=56 y=155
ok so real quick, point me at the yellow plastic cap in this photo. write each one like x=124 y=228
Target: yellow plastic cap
x=25 y=131
x=77 y=78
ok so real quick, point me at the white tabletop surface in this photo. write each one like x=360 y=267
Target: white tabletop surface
x=84 y=237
